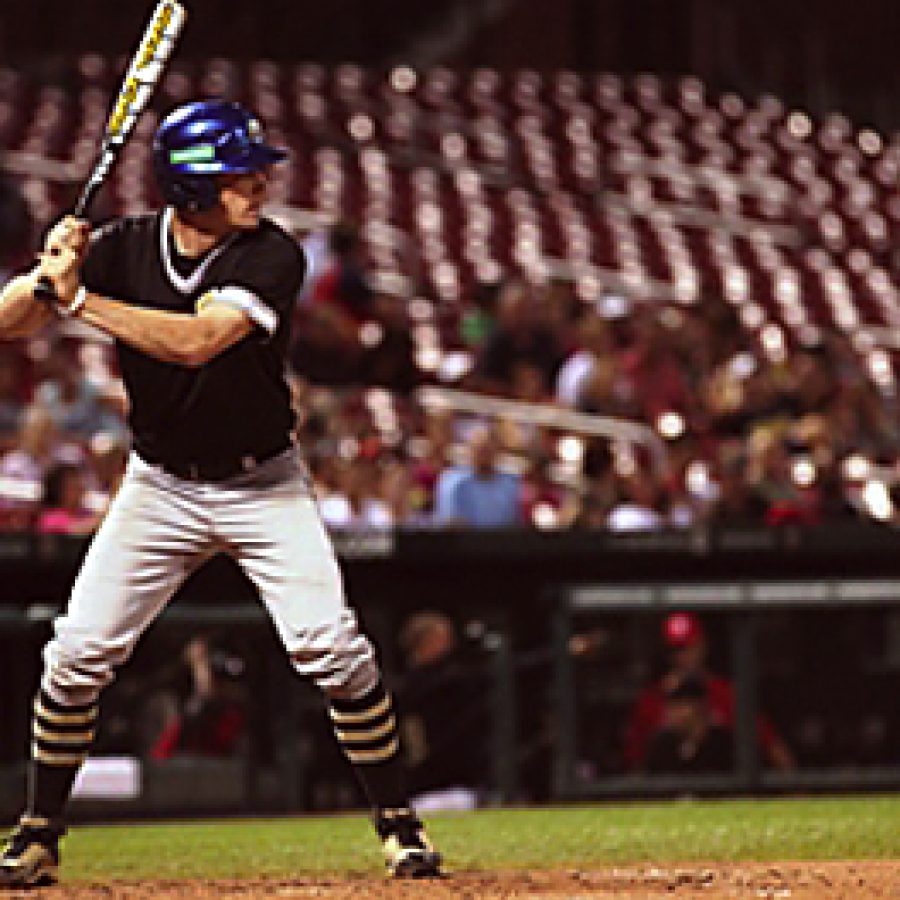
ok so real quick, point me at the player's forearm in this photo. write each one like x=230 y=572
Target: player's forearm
x=20 y=313
x=172 y=337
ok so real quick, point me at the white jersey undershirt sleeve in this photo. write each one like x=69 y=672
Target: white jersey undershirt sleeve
x=253 y=306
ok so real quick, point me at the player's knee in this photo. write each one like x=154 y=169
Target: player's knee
x=75 y=671
x=353 y=683
x=341 y=662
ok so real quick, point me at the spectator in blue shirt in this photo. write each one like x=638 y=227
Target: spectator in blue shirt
x=478 y=495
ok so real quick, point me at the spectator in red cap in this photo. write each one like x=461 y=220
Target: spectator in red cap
x=685 y=640
x=682 y=629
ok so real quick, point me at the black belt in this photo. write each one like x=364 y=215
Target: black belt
x=215 y=470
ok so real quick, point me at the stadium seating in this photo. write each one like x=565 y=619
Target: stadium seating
x=659 y=189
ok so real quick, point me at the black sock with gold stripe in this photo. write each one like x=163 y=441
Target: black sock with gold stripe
x=366 y=729
x=61 y=738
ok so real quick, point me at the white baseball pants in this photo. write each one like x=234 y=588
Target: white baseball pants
x=160 y=528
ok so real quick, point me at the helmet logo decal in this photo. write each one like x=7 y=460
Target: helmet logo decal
x=197 y=153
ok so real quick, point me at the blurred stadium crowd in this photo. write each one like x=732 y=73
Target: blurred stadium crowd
x=708 y=282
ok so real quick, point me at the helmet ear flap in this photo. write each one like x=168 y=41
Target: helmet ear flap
x=193 y=193
x=198 y=192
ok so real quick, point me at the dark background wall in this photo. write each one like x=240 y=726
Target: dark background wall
x=823 y=55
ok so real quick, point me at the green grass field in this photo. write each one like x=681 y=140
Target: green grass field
x=542 y=838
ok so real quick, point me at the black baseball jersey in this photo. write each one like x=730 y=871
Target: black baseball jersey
x=237 y=404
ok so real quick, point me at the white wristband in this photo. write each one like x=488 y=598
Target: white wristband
x=75 y=305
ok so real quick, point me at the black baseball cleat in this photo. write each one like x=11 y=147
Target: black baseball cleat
x=30 y=858
x=407 y=851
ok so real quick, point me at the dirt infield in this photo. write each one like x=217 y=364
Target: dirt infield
x=758 y=880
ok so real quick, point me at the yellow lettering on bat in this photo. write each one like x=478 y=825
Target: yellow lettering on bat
x=151 y=45
x=146 y=55
x=123 y=106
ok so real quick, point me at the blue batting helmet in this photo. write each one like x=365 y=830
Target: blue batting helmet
x=205 y=138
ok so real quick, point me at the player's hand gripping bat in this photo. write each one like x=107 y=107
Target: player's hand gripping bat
x=144 y=73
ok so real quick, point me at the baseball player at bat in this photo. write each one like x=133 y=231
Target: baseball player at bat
x=198 y=298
